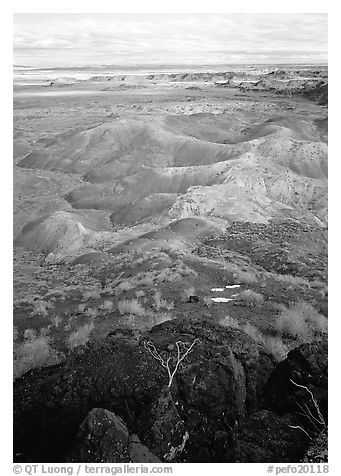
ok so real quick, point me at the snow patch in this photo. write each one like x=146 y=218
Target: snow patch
x=217 y=290
x=220 y=299
x=230 y=286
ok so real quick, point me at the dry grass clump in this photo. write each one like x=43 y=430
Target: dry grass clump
x=302 y=322
x=273 y=345
x=91 y=312
x=91 y=294
x=160 y=303
x=228 y=321
x=130 y=306
x=251 y=298
x=34 y=352
x=188 y=293
x=80 y=336
x=288 y=279
x=41 y=308
x=107 y=305
x=147 y=322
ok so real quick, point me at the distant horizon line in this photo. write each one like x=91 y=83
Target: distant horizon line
x=169 y=64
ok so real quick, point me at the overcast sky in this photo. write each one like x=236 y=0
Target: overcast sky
x=94 y=39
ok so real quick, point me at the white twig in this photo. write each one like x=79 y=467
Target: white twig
x=166 y=364
x=300 y=428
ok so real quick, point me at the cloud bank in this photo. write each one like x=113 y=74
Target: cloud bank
x=92 y=39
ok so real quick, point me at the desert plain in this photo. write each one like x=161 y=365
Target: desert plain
x=170 y=267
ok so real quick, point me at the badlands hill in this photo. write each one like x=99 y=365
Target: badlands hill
x=219 y=166
x=169 y=210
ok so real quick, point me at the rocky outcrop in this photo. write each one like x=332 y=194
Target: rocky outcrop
x=209 y=411
x=214 y=388
x=318 y=449
x=102 y=438
x=305 y=370
x=265 y=437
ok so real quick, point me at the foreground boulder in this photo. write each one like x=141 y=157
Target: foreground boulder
x=299 y=384
x=214 y=387
x=102 y=438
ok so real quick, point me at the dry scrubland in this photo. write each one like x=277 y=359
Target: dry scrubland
x=162 y=217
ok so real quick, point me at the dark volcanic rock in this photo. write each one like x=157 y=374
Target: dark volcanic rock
x=139 y=453
x=215 y=386
x=265 y=437
x=299 y=385
x=50 y=404
x=318 y=450
x=102 y=438
x=307 y=365
x=164 y=430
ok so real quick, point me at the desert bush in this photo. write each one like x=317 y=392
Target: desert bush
x=41 y=308
x=124 y=286
x=131 y=306
x=81 y=307
x=228 y=321
x=160 y=303
x=288 y=279
x=187 y=293
x=139 y=294
x=56 y=321
x=251 y=298
x=302 y=322
x=107 y=305
x=91 y=312
x=91 y=294
x=207 y=301
x=80 y=336
x=275 y=346
x=253 y=332
x=34 y=352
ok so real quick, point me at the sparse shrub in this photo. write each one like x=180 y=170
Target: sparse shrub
x=275 y=346
x=124 y=286
x=34 y=352
x=30 y=334
x=81 y=307
x=207 y=301
x=139 y=294
x=41 y=308
x=288 y=279
x=302 y=322
x=80 y=336
x=107 y=305
x=251 y=298
x=160 y=303
x=188 y=293
x=228 y=321
x=15 y=333
x=253 y=332
x=91 y=312
x=91 y=294
x=131 y=306
x=56 y=321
